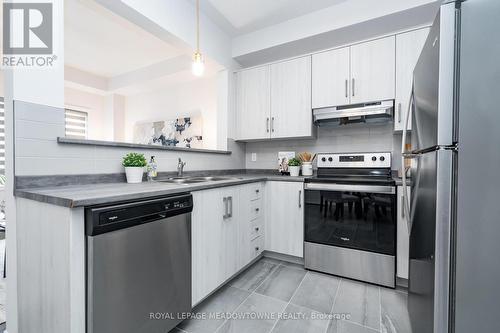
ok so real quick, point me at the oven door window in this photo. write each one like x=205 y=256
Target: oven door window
x=362 y=221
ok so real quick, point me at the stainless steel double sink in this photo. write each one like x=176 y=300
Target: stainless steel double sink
x=194 y=180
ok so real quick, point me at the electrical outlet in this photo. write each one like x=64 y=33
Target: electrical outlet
x=254 y=157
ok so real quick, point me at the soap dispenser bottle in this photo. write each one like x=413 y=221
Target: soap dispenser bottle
x=152 y=166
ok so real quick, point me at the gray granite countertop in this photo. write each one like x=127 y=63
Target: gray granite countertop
x=95 y=194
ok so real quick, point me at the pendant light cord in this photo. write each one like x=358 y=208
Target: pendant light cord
x=197 y=26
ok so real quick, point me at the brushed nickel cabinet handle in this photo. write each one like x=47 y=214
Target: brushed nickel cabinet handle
x=272 y=124
x=267 y=125
x=402 y=207
x=224 y=200
x=346 y=88
x=353 y=87
x=300 y=199
x=399 y=113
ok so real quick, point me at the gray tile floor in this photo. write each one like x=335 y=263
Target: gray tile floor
x=276 y=296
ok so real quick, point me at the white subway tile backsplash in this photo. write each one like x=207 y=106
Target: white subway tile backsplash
x=36 y=112
x=51 y=149
x=38 y=153
x=352 y=138
x=28 y=129
x=36 y=166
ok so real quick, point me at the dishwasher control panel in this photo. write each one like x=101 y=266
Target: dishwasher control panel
x=101 y=219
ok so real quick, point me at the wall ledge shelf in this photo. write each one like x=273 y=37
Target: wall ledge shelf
x=63 y=140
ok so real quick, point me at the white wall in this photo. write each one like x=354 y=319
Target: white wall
x=198 y=96
x=352 y=138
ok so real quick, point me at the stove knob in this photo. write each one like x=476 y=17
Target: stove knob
x=374 y=158
x=323 y=159
x=330 y=159
x=382 y=158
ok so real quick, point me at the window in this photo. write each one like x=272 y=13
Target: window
x=2 y=137
x=76 y=124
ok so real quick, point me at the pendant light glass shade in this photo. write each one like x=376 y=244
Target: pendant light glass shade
x=198 y=66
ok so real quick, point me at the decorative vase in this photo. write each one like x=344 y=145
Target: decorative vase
x=134 y=174
x=294 y=170
x=307 y=169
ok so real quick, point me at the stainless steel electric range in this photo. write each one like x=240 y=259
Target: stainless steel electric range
x=350 y=218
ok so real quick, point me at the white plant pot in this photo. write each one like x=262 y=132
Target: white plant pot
x=294 y=170
x=307 y=169
x=134 y=174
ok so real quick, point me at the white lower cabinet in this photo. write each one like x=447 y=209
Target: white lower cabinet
x=214 y=237
x=285 y=218
x=403 y=237
x=223 y=234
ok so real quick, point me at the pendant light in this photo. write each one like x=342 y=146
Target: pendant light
x=198 y=66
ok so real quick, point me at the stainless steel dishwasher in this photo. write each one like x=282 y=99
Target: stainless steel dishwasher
x=138 y=265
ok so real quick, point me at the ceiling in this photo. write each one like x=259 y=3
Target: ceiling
x=243 y=16
x=102 y=43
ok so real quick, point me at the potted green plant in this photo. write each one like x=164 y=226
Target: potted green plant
x=134 y=164
x=294 y=166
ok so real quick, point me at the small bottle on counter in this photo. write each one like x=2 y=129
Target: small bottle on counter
x=152 y=166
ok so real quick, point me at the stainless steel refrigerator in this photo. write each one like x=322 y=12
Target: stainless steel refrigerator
x=454 y=276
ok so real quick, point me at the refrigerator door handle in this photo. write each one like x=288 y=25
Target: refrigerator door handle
x=405 y=155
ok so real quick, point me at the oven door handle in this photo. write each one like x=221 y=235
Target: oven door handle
x=351 y=188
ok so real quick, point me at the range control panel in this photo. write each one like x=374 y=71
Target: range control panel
x=355 y=160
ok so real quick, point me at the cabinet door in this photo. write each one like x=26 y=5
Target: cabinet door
x=408 y=48
x=285 y=218
x=214 y=240
x=205 y=243
x=330 y=78
x=291 y=114
x=253 y=103
x=373 y=67
x=403 y=240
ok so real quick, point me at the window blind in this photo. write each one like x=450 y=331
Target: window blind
x=76 y=124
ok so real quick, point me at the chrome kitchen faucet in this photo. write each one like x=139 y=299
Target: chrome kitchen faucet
x=180 y=168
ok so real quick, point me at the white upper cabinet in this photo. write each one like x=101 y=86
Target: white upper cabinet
x=253 y=103
x=373 y=70
x=408 y=48
x=330 y=78
x=291 y=114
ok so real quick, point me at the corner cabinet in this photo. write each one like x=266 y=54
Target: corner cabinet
x=285 y=218
x=408 y=48
x=274 y=101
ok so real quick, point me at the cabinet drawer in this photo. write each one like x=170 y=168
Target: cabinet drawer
x=257 y=245
x=255 y=209
x=256 y=191
x=256 y=228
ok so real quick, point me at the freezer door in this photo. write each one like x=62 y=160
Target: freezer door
x=478 y=203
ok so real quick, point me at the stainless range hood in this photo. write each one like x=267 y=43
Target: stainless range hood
x=358 y=113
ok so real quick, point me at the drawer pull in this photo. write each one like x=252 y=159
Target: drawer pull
x=257 y=191
x=257 y=229
x=256 y=209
